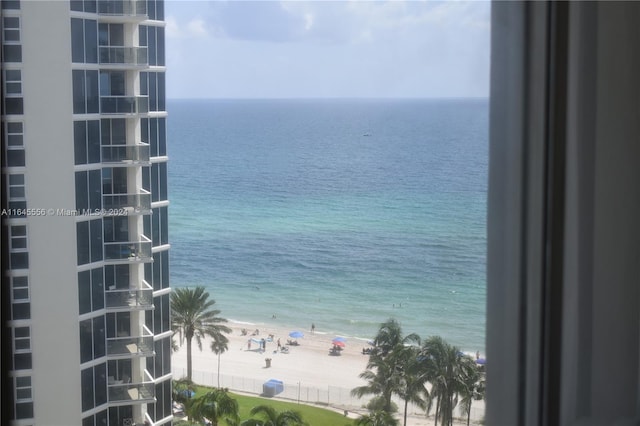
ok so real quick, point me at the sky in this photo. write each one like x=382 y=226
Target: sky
x=327 y=49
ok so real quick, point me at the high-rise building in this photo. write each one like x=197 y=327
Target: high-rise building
x=85 y=283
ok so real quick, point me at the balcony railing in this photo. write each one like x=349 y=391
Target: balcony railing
x=122 y=7
x=140 y=202
x=124 y=104
x=128 y=252
x=130 y=299
x=135 y=154
x=125 y=347
x=124 y=55
x=131 y=392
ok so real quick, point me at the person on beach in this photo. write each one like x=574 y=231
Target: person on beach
x=279 y=344
x=249 y=344
x=313 y=328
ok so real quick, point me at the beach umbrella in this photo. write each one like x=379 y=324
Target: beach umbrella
x=481 y=361
x=340 y=339
x=188 y=393
x=338 y=343
x=296 y=334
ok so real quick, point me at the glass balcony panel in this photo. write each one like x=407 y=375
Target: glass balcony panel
x=131 y=392
x=129 y=298
x=143 y=104
x=131 y=251
x=124 y=104
x=137 y=202
x=130 y=346
x=122 y=7
x=138 y=153
x=124 y=55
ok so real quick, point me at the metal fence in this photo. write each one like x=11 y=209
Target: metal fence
x=331 y=396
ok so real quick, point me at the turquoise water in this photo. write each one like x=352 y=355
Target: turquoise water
x=341 y=213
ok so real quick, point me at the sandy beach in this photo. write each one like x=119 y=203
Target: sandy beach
x=308 y=371
x=309 y=363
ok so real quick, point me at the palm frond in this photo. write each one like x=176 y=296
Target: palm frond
x=193 y=317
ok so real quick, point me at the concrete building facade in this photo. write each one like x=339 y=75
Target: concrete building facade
x=84 y=209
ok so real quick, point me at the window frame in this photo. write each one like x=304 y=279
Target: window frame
x=15 y=236
x=17 y=388
x=14 y=287
x=8 y=133
x=14 y=143
x=5 y=28
x=562 y=215
x=12 y=81
x=21 y=338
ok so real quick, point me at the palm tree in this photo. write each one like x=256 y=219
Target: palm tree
x=443 y=364
x=389 y=337
x=385 y=367
x=413 y=379
x=382 y=380
x=270 y=417
x=474 y=387
x=219 y=347
x=377 y=418
x=192 y=316
x=214 y=406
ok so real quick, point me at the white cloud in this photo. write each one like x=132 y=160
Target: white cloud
x=172 y=30
x=308 y=21
x=196 y=28
x=318 y=48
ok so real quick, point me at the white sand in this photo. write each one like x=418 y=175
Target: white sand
x=307 y=368
x=310 y=363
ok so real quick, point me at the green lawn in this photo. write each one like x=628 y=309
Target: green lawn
x=314 y=416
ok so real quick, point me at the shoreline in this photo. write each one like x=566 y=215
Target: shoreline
x=358 y=340
x=308 y=372
x=250 y=325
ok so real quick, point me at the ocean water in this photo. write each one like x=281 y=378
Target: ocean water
x=341 y=213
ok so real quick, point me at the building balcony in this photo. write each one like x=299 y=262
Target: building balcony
x=123 y=8
x=127 y=347
x=124 y=104
x=137 y=154
x=140 y=392
x=132 y=203
x=124 y=56
x=129 y=299
x=128 y=252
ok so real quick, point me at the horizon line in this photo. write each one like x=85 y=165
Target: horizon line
x=243 y=98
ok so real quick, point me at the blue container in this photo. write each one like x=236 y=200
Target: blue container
x=272 y=387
